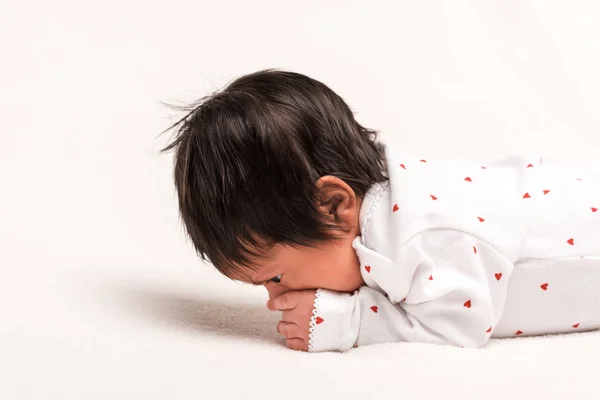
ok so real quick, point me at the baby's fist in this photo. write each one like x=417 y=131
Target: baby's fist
x=297 y=310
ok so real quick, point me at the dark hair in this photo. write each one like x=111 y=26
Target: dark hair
x=247 y=158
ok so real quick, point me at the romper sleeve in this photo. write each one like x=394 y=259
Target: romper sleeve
x=453 y=287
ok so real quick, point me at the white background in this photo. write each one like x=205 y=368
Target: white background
x=101 y=296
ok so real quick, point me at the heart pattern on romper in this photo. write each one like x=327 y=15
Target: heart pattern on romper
x=319 y=320
x=498 y=275
x=374 y=309
x=368 y=268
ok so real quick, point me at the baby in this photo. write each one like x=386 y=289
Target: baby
x=360 y=243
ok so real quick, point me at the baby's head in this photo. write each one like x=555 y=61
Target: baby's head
x=270 y=173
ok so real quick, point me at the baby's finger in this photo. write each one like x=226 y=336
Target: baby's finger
x=290 y=318
x=283 y=302
x=296 y=319
x=297 y=344
x=287 y=329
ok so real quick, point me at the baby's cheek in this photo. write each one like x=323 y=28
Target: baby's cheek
x=343 y=281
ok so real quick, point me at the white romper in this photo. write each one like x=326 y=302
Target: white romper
x=455 y=252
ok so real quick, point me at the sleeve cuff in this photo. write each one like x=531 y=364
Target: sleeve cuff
x=334 y=324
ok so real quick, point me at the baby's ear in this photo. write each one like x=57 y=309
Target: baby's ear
x=337 y=201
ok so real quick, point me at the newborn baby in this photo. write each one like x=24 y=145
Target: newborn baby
x=360 y=243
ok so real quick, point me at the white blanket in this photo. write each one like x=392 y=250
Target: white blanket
x=177 y=333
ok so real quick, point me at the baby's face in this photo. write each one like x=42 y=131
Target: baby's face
x=332 y=265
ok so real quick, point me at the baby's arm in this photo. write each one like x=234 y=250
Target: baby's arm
x=456 y=296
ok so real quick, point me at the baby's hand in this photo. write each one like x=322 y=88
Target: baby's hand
x=297 y=310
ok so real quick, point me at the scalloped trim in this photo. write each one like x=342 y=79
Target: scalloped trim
x=370 y=201
x=313 y=320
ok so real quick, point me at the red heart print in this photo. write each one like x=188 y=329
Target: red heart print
x=480 y=219
x=395 y=208
x=468 y=179
x=571 y=241
x=544 y=286
x=489 y=330
x=319 y=320
x=423 y=160
x=433 y=197
x=374 y=308
x=498 y=276
x=576 y=326
x=467 y=304
x=404 y=299
x=403 y=166
x=526 y=196
x=518 y=332
x=368 y=268
x=475 y=249
x=530 y=165
x=430 y=277
x=594 y=209
x=546 y=191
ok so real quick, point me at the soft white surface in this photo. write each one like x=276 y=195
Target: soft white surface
x=101 y=296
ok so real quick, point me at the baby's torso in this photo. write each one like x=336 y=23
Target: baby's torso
x=543 y=217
